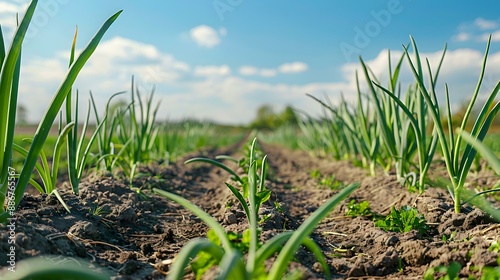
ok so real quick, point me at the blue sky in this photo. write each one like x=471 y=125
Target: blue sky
x=220 y=60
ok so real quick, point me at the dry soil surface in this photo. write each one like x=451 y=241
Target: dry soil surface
x=136 y=235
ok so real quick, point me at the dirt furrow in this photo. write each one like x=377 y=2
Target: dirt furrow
x=137 y=234
x=355 y=247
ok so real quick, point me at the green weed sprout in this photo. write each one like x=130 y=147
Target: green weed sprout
x=457 y=165
x=403 y=220
x=9 y=84
x=230 y=260
x=361 y=209
x=450 y=272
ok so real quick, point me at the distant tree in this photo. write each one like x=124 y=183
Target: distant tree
x=266 y=118
x=288 y=116
x=22 y=115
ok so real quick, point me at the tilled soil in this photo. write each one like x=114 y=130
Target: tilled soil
x=136 y=234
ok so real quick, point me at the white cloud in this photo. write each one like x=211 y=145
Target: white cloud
x=495 y=36
x=206 y=36
x=202 y=90
x=484 y=24
x=460 y=70
x=223 y=31
x=254 y=71
x=476 y=31
x=8 y=12
x=127 y=57
x=248 y=70
x=267 y=73
x=462 y=37
x=294 y=67
x=108 y=71
x=212 y=71
x=123 y=48
x=286 y=68
x=8 y=8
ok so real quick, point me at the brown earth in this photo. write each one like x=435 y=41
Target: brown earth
x=137 y=235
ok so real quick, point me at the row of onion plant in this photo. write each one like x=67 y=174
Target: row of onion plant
x=11 y=195
x=400 y=131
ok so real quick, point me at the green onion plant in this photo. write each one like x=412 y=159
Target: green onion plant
x=350 y=133
x=107 y=156
x=476 y=198
x=458 y=162
x=407 y=127
x=392 y=128
x=177 y=138
x=313 y=137
x=138 y=127
x=242 y=191
x=483 y=150
x=77 y=153
x=230 y=260
x=168 y=141
x=9 y=83
x=48 y=174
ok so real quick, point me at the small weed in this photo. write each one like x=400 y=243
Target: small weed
x=450 y=272
x=100 y=212
x=265 y=218
x=335 y=255
x=491 y=272
x=331 y=183
x=469 y=255
x=494 y=247
x=403 y=220
x=451 y=237
x=326 y=181
x=277 y=207
x=358 y=209
x=315 y=174
x=401 y=266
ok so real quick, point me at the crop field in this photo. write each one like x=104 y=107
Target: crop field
x=396 y=185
